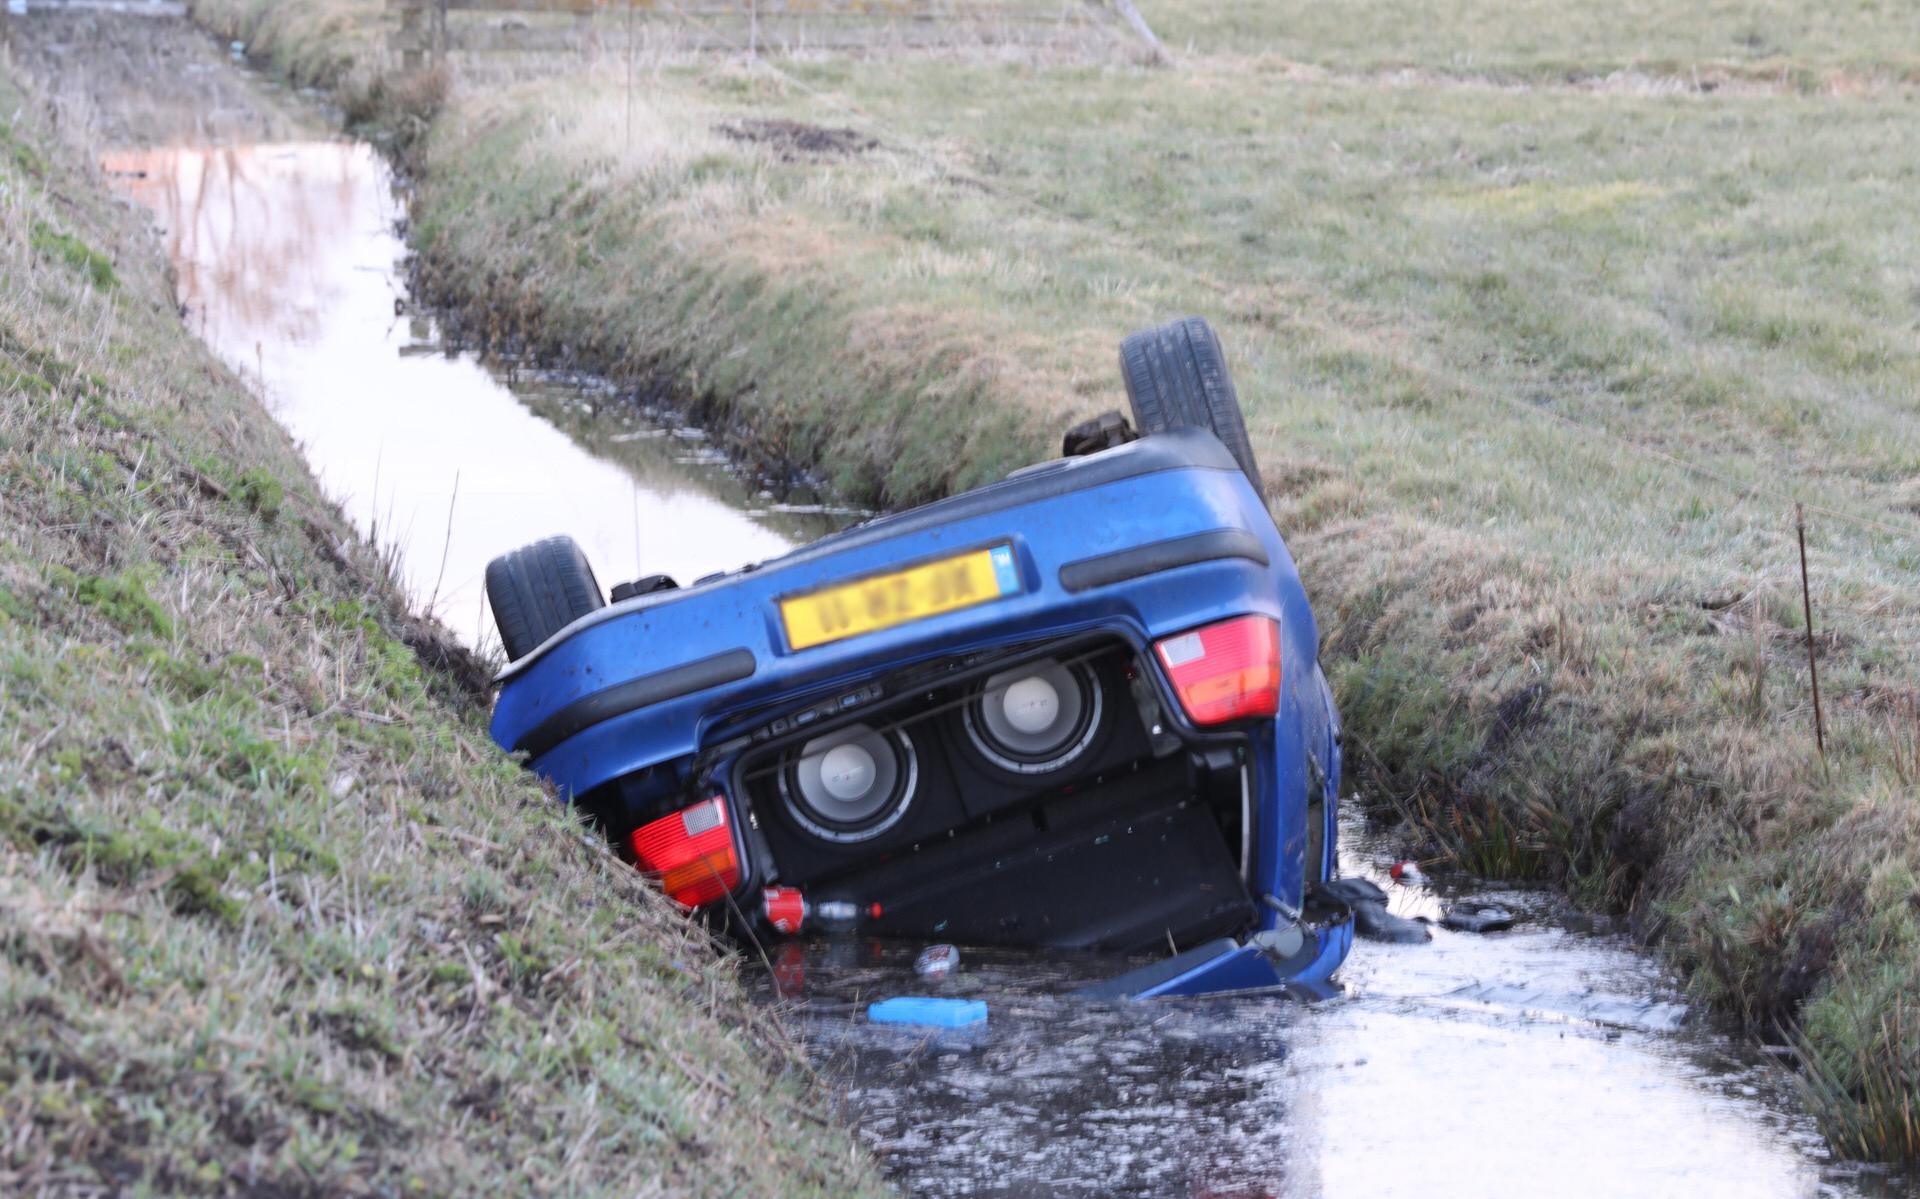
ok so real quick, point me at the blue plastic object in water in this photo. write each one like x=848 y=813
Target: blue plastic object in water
x=935 y=1013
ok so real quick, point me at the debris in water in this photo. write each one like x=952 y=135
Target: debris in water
x=1377 y=923
x=1407 y=874
x=786 y=907
x=1477 y=917
x=936 y=961
x=1370 y=916
x=934 y=1013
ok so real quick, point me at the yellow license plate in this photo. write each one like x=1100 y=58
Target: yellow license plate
x=883 y=601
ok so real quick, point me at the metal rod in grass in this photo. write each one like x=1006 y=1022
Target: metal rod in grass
x=1156 y=50
x=481 y=645
x=373 y=505
x=636 y=525
x=1806 y=603
x=433 y=601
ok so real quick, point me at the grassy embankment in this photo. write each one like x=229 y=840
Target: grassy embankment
x=1490 y=276
x=274 y=917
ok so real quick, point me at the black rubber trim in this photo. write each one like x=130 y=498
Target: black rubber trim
x=1118 y=567
x=648 y=689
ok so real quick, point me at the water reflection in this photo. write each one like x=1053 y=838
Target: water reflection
x=1554 y=1059
x=286 y=257
x=1054 y=1096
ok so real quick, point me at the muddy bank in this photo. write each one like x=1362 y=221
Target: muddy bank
x=497 y=323
x=840 y=433
x=270 y=920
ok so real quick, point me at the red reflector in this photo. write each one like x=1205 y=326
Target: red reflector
x=1225 y=671
x=690 y=853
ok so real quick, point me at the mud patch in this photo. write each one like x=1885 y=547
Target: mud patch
x=794 y=141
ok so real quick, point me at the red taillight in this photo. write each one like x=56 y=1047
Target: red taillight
x=1225 y=671
x=691 y=853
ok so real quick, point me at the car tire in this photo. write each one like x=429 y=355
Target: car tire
x=539 y=589
x=1176 y=377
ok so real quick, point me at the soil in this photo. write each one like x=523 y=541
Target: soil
x=794 y=141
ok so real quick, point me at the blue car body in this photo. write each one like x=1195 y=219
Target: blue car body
x=667 y=697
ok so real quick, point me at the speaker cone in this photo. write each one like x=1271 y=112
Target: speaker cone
x=1035 y=718
x=851 y=784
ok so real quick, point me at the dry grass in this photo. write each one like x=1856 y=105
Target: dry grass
x=1544 y=315
x=274 y=918
x=335 y=44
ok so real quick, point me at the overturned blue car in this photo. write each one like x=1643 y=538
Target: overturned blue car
x=1078 y=708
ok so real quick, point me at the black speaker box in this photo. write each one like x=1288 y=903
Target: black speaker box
x=957 y=786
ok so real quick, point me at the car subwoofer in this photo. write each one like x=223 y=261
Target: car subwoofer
x=850 y=785
x=1036 y=718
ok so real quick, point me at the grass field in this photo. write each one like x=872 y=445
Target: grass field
x=274 y=919
x=1545 y=315
x=1554 y=41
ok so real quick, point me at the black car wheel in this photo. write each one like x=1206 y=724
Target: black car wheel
x=539 y=589
x=1176 y=377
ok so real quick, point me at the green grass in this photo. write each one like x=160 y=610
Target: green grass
x=70 y=250
x=1556 y=41
x=274 y=916
x=1544 y=315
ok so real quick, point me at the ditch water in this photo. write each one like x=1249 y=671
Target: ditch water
x=290 y=264
x=288 y=250
x=1553 y=1059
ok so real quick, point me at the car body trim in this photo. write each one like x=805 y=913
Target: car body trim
x=1106 y=569
x=1154 y=975
x=658 y=687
